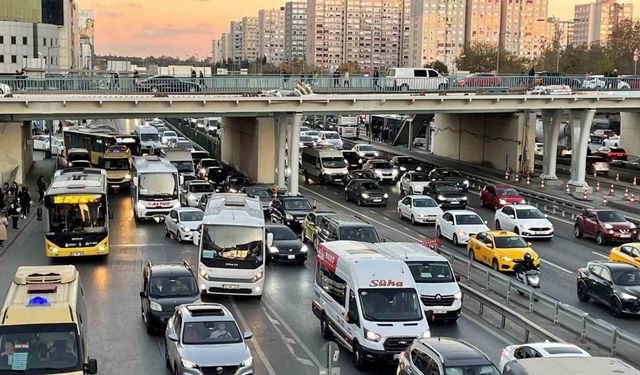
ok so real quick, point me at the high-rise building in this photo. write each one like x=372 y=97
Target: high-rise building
x=325 y=33
x=523 y=27
x=483 y=22
x=271 y=35
x=216 y=51
x=235 y=42
x=250 y=39
x=594 y=22
x=295 y=30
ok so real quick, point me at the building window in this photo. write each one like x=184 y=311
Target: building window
x=13 y=40
x=14 y=59
x=44 y=41
x=1 y=39
x=1 y=59
x=24 y=40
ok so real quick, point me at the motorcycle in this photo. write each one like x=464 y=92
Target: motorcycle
x=529 y=278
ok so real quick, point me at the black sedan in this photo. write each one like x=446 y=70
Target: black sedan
x=216 y=175
x=446 y=194
x=235 y=184
x=287 y=245
x=161 y=83
x=354 y=161
x=451 y=176
x=365 y=192
x=360 y=174
x=616 y=285
x=290 y=210
x=407 y=163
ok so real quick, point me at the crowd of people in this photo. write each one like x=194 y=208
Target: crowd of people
x=15 y=204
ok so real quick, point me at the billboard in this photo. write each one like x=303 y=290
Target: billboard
x=86 y=23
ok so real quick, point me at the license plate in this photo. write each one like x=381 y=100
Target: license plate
x=625 y=236
x=454 y=202
x=76 y=253
x=377 y=200
x=291 y=257
x=396 y=356
x=439 y=311
x=115 y=186
x=230 y=286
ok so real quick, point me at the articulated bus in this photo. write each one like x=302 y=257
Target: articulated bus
x=76 y=213
x=98 y=141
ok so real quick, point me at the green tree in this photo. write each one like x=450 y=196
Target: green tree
x=624 y=40
x=483 y=57
x=439 y=66
x=352 y=67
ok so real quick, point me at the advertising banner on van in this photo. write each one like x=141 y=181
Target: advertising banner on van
x=327 y=258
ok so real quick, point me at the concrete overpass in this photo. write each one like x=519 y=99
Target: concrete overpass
x=495 y=129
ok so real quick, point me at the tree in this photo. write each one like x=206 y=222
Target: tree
x=439 y=66
x=352 y=67
x=623 y=41
x=482 y=57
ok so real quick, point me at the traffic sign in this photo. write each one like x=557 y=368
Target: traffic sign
x=329 y=354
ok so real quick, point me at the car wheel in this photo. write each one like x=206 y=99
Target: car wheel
x=495 y=265
x=324 y=328
x=413 y=220
x=472 y=255
x=600 y=240
x=583 y=296
x=616 y=308
x=438 y=232
x=400 y=215
x=497 y=225
x=358 y=358
x=177 y=237
x=166 y=231
x=455 y=240
x=577 y=232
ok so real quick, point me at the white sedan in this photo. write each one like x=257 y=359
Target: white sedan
x=41 y=142
x=459 y=225
x=414 y=182
x=419 y=209
x=540 y=350
x=525 y=220
x=180 y=223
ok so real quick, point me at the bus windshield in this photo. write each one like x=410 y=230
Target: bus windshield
x=77 y=214
x=158 y=185
x=40 y=349
x=232 y=246
x=116 y=164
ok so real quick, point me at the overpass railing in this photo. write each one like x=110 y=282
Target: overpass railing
x=252 y=85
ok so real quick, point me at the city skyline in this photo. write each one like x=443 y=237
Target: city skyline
x=121 y=30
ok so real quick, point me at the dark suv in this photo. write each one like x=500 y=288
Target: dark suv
x=165 y=286
x=616 y=285
x=444 y=355
x=290 y=210
x=340 y=228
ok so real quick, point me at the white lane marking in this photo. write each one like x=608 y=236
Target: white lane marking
x=137 y=245
x=316 y=361
x=254 y=343
x=556 y=266
x=600 y=255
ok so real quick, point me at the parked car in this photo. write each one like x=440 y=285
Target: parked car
x=286 y=246
x=540 y=350
x=446 y=194
x=628 y=253
x=597 y=164
x=612 y=154
x=615 y=285
x=382 y=169
x=365 y=192
x=499 y=249
x=527 y=221
x=459 y=226
x=499 y=195
x=181 y=222
x=165 y=83
x=419 y=209
x=605 y=226
x=479 y=80
x=450 y=175
x=414 y=182
x=602 y=82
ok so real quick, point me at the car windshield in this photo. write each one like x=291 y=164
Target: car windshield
x=390 y=304
x=510 y=192
x=282 y=233
x=471 y=370
x=172 y=286
x=361 y=234
x=431 y=272
x=116 y=164
x=510 y=242
x=76 y=213
x=158 y=185
x=331 y=136
x=239 y=181
x=611 y=217
x=259 y=194
x=232 y=247
x=626 y=277
x=621 y=150
x=334 y=162
x=149 y=137
x=445 y=188
x=424 y=202
x=312 y=133
x=363 y=174
x=169 y=134
x=209 y=163
x=40 y=349
x=210 y=333
x=419 y=177
x=183 y=166
x=365 y=148
x=200 y=188
x=297 y=204
x=191 y=216
x=185 y=145
x=405 y=160
x=529 y=213
x=371 y=185
x=470 y=219
x=449 y=173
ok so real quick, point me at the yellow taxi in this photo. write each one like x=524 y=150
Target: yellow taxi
x=499 y=249
x=628 y=253
x=311 y=223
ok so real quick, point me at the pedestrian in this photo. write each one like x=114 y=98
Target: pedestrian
x=24 y=198
x=14 y=189
x=41 y=185
x=202 y=79
x=4 y=223
x=136 y=74
x=14 y=212
x=116 y=80
x=376 y=76
x=532 y=72
x=193 y=73
x=613 y=83
x=346 y=79
x=336 y=78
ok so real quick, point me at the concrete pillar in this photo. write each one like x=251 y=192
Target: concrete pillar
x=551 y=121
x=580 y=128
x=294 y=150
x=281 y=141
x=16 y=151
x=630 y=132
x=248 y=145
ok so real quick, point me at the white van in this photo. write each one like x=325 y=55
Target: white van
x=436 y=282
x=404 y=79
x=323 y=165
x=366 y=301
x=329 y=138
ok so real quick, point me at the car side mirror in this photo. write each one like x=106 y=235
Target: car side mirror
x=91 y=367
x=546 y=216
x=457 y=277
x=490 y=245
x=512 y=216
x=135 y=181
x=143 y=294
x=196 y=238
x=181 y=179
x=486 y=222
x=172 y=336
x=269 y=239
x=247 y=335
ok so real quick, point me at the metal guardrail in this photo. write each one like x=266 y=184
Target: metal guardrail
x=221 y=84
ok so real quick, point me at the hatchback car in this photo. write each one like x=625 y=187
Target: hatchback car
x=419 y=209
x=203 y=339
x=527 y=221
x=286 y=246
x=612 y=154
x=365 y=192
x=540 y=350
x=450 y=175
x=165 y=286
x=180 y=223
x=628 y=253
x=446 y=194
x=496 y=196
x=616 y=285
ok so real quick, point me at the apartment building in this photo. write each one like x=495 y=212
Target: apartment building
x=271 y=35
x=594 y=22
x=295 y=30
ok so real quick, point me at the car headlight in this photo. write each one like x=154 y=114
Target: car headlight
x=608 y=226
x=502 y=201
x=419 y=169
x=506 y=259
x=628 y=297
x=376 y=154
x=140 y=206
x=188 y=364
x=461 y=232
x=204 y=274
x=426 y=334
x=155 y=306
x=466 y=183
x=304 y=249
x=372 y=336
x=288 y=217
x=365 y=195
x=394 y=172
x=203 y=171
x=464 y=198
x=403 y=169
x=257 y=277
x=360 y=161
x=632 y=226
x=441 y=198
x=184 y=229
x=360 y=153
x=127 y=176
x=247 y=362
x=385 y=196
x=527 y=227
x=233 y=190
x=273 y=250
x=458 y=295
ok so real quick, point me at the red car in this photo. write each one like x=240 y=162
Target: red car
x=499 y=195
x=605 y=226
x=480 y=80
x=612 y=153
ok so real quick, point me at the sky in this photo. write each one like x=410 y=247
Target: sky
x=182 y=28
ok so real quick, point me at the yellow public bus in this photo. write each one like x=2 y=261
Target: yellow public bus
x=98 y=141
x=76 y=213
x=43 y=323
